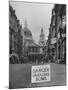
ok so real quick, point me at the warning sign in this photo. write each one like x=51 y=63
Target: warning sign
x=40 y=73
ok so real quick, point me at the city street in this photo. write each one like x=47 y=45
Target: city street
x=20 y=76
x=37 y=37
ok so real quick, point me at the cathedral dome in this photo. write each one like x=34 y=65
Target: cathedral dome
x=27 y=32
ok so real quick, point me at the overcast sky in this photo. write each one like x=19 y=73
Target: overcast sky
x=38 y=15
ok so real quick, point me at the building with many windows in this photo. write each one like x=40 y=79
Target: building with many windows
x=35 y=52
x=15 y=42
x=57 y=34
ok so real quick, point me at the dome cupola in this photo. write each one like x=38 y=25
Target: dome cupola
x=27 y=32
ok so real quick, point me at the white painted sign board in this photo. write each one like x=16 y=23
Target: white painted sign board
x=40 y=73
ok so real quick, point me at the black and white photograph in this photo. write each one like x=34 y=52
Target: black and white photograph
x=37 y=44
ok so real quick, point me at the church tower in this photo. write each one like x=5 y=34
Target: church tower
x=42 y=38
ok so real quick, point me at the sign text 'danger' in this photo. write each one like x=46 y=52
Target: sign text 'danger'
x=40 y=73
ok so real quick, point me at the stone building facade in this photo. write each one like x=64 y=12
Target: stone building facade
x=37 y=52
x=57 y=34
x=15 y=37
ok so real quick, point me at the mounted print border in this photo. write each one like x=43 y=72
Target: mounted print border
x=37 y=44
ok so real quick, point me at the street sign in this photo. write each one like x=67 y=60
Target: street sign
x=40 y=73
